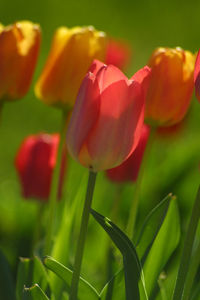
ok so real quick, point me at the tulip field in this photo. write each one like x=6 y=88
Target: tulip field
x=100 y=151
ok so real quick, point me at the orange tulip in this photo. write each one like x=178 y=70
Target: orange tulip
x=19 y=48
x=108 y=115
x=170 y=87
x=72 y=52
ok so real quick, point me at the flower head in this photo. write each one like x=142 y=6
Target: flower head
x=71 y=54
x=171 y=85
x=107 y=119
x=19 y=48
x=35 y=161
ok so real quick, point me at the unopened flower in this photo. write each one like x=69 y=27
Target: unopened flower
x=71 y=54
x=35 y=162
x=171 y=86
x=108 y=116
x=19 y=48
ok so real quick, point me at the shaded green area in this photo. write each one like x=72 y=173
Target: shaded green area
x=173 y=164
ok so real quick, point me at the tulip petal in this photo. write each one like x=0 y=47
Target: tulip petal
x=86 y=111
x=120 y=121
x=96 y=66
x=197 y=76
x=143 y=77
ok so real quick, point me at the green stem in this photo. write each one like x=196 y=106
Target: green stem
x=82 y=236
x=38 y=225
x=135 y=203
x=55 y=186
x=187 y=250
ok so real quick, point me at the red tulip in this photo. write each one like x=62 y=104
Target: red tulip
x=129 y=169
x=35 y=161
x=197 y=76
x=107 y=119
x=118 y=54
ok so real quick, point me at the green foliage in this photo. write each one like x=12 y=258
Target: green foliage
x=132 y=266
x=86 y=290
x=151 y=226
x=36 y=293
x=7 y=289
x=30 y=272
x=163 y=246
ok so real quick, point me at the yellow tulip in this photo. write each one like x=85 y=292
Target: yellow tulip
x=71 y=54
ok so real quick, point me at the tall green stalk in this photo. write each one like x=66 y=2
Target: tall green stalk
x=55 y=185
x=82 y=236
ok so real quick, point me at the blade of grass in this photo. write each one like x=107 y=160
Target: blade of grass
x=187 y=250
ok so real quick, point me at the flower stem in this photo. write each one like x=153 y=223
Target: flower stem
x=82 y=236
x=135 y=203
x=55 y=186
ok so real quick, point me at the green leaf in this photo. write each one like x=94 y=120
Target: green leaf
x=151 y=226
x=164 y=245
x=132 y=266
x=36 y=293
x=187 y=250
x=194 y=265
x=24 y=277
x=30 y=272
x=60 y=251
x=115 y=288
x=7 y=289
x=86 y=290
x=40 y=275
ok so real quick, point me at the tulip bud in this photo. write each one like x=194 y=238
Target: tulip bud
x=171 y=85
x=19 y=48
x=118 y=54
x=107 y=119
x=129 y=169
x=72 y=53
x=197 y=76
x=35 y=162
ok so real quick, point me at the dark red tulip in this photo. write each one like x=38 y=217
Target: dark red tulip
x=129 y=169
x=35 y=161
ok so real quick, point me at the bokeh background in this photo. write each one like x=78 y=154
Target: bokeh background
x=173 y=164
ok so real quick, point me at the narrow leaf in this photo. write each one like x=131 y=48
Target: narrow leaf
x=86 y=290
x=24 y=277
x=63 y=236
x=164 y=245
x=115 y=288
x=36 y=292
x=132 y=266
x=151 y=226
x=187 y=249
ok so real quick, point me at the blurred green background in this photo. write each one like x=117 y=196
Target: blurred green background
x=173 y=164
